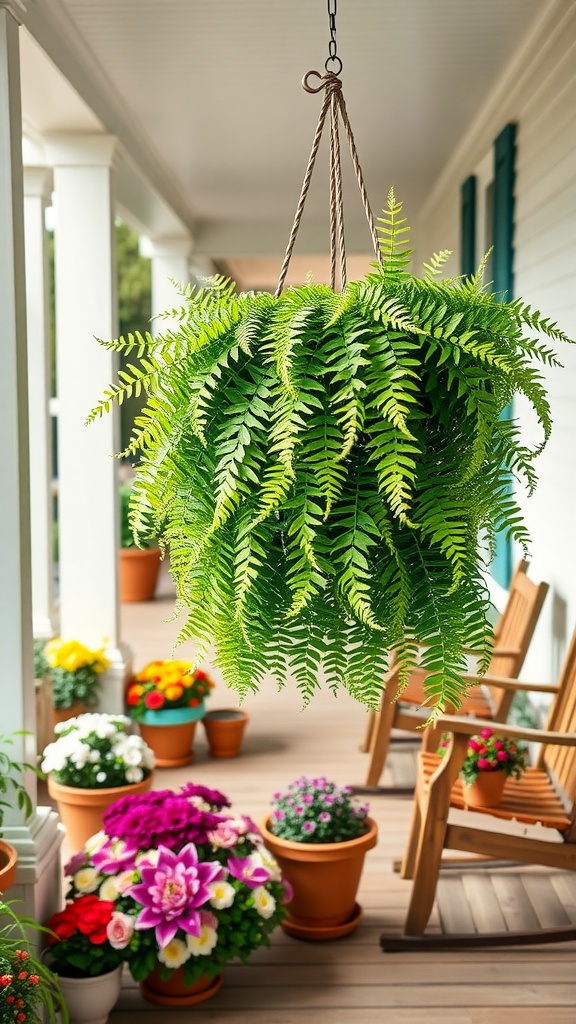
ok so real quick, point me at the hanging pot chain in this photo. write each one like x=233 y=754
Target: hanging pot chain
x=333 y=101
x=333 y=62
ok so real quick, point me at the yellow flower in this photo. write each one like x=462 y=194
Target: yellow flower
x=174 y=954
x=173 y=692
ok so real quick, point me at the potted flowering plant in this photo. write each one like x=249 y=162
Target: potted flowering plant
x=76 y=671
x=490 y=760
x=319 y=835
x=139 y=557
x=94 y=759
x=86 y=949
x=195 y=885
x=167 y=698
x=29 y=990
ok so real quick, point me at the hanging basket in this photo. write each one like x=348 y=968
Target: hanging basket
x=321 y=464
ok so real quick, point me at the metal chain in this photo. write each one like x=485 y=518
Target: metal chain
x=333 y=62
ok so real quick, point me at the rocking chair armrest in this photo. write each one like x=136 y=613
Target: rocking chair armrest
x=465 y=725
x=508 y=683
x=497 y=651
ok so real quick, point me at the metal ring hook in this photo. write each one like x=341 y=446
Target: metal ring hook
x=334 y=60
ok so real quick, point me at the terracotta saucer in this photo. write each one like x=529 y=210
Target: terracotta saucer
x=185 y=999
x=302 y=931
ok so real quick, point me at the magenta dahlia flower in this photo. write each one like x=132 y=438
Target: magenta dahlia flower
x=172 y=892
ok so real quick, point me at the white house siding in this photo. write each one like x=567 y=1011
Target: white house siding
x=538 y=92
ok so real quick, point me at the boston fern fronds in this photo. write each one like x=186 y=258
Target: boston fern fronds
x=329 y=471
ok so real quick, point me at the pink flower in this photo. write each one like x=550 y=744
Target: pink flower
x=473 y=745
x=119 y=930
x=482 y=763
x=225 y=835
x=288 y=891
x=486 y=733
x=502 y=755
x=172 y=892
x=252 y=875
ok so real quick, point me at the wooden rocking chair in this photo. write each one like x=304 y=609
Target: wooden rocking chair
x=535 y=823
x=486 y=699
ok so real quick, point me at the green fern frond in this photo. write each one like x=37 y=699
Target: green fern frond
x=321 y=469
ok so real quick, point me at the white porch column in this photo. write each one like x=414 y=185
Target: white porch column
x=37 y=192
x=88 y=504
x=38 y=839
x=170 y=262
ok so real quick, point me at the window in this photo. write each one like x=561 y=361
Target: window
x=487 y=222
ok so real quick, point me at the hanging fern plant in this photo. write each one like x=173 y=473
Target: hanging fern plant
x=322 y=466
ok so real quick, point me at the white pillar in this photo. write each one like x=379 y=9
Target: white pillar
x=88 y=505
x=37 y=192
x=170 y=262
x=37 y=840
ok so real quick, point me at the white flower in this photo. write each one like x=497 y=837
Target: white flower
x=101 y=777
x=87 y=880
x=109 y=889
x=148 y=857
x=222 y=894
x=134 y=775
x=124 y=880
x=174 y=954
x=94 y=756
x=261 y=858
x=96 y=842
x=204 y=943
x=264 y=902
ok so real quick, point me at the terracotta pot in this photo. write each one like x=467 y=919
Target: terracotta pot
x=325 y=878
x=170 y=733
x=89 y=1000
x=63 y=714
x=8 y=865
x=81 y=810
x=139 y=568
x=486 y=791
x=225 y=731
x=174 y=992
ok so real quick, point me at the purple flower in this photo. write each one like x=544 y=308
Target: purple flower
x=309 y=827
x=324 y=816
x=308 y=798
x=75 y=863
x=212 y=796
x=279 y=815
x=299 y=809
x=328 y=798
x=245 y=871
x=288 y=891
x=114 y=856
x=172 y=892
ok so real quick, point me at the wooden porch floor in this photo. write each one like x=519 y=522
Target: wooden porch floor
x=295 y=982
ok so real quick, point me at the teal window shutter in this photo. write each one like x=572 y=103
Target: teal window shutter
x=468 y=227
x=503 y=277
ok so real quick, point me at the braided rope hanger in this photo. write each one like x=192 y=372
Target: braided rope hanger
x=334 y=102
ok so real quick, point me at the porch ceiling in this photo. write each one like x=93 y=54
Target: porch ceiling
x=205 y=98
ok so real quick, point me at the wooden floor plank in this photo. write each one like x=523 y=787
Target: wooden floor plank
x=483 y=902
x=545 y=901
x=565 y=886
x=454 y=911
x=514 y=905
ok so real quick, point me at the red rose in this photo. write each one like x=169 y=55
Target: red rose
x=93 y=914
x=153 y=700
